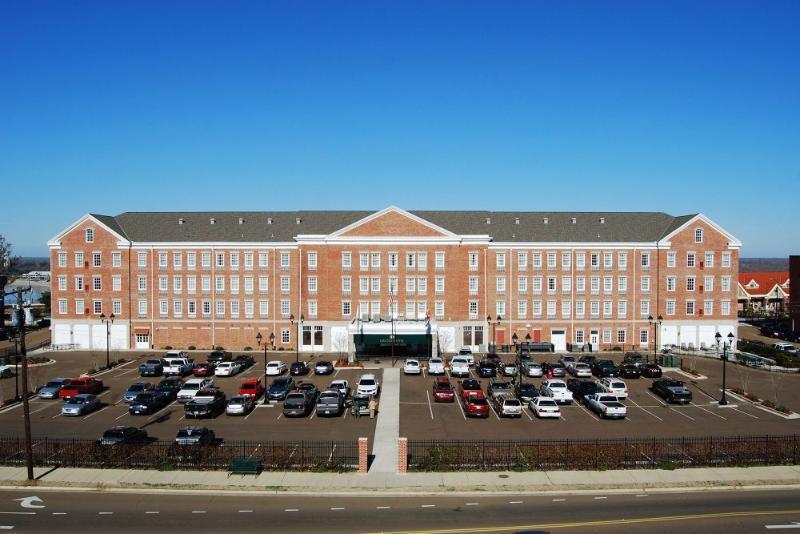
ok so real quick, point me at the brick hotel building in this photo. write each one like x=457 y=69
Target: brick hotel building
x=333 y=279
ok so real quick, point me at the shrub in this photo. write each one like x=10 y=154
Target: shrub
x=91 y=371
x=168 y=347
x=192 y=347
x=121 y=361
x=768 y=403
x=617 y=349
x=280 y=348
x=219 y=347
x=783 y=409
x=248 y=348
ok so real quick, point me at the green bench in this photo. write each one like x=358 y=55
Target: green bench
x=244 y=466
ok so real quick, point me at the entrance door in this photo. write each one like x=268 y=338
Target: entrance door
x=537 y=336
x=594 y=339
x=142 y=341
x=559 y=340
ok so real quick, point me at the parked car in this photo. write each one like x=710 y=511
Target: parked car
x=80 y=405
x=468 y=386
x=475 y=404
x=275 y=368
x=151 y=368
x=7 y=371
x=587 y=358
x=525 y=391
x=342 y=386
x=602 y=368
x=280 y=387
x=785 y=347
x=506 y=405
x=148 y=402
x=240 y=405
x=203 y=369
x=606 y=406
x=298 y=369
x=297 y=404
x=206 y=403
x=580 y=370
x=672 y=391
x=497 y=387
x=544 y=407
x=252 y=387
x=52 y=388
x=218 y=356
x=411 y=367
x=629 y=370
x=323 y=367
x=443 y=390
x=227 y=369
x=633 y=358
x=195 y=435
x=368 y=385
x=80 y=385
x=459 y=366
x=651 y=370
x=245 y=361
x=556 y=370
x=509 y=369
x=123 y=435
x=135 y=389
x=177 y=366
x=330 y=402
x=556 y=389
x=531 y=368
x=170 y=387
x=487 y=369
x=614 y=386
x=435 y=366
x=309 y=388
x=192 y=386
x=567 y=360
x=466 y=352
x=581 y=388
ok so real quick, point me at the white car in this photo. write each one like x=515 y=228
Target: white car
x=459 y=366
x=531 y=368
x=613 y=386
x=227 y=369
x=368 y=385
x=435 y=366
x=466 y=352
x=580 y=370
x=192 y=386
x=275 y=368
x=412 y=367
x=557 y=390
x=544 y=407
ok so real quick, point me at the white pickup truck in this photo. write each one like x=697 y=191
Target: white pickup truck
x=177 y=363
x=606 y=406
x=557 y=390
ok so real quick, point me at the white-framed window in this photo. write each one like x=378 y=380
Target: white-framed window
x=473 y=261
x=285 y=306
x=595 y=285
x=473 y=285
x=191 y=284
x=645 y=284
x=580 y=284
x=141 y=283
x=522 y=285
x=177 y=284
x=439 y=260
x=163 y=284
x=708 y=283
x=500 y=308
x=580 y=308
x=566 y=309
x=177 y=260
x=690 y=283
x=79 y=283
x=422 y=286
x=363 y=285
x=163 y=260
x=205 y=260
x=566 y=284
x=312 y=284
x=248 y=285
x=439 y=285
x=62 y=259
x=79 y=306
x=248 y=261
x=205 y=284
x=375 y=285
x=191 y=260
x=97 y=259
x=116 y=283
x=285 y=260
x=234 y=285
x=537 y=308
x=394 y=262
x=608 y=260
x=551 y=308
x=522 y=260
x=726 y=260
x=708 y=307
x=580 y=260
x=698 y=235
x=472 y=308
x=537 y=260
x=347 y=285
x=537 y=284
x=141 y=260
x=622 y=308
x=411 y=261
x=312 y=308
x=438 y=309
x=163 y=307
x=725 y=283
x=263 y=308
x=116 y=259
x=220 y=305
x=62 y=282
x=89 y=235
x=394 y=285
x=621 y=335
x=346 y=308
x=565 y=261
x=672 y=282
x=206 y=308
x=422 y=261
x=622 y=284
x=622 y=261
x=191 y=308
x=671 y=307
x=644 y=308
x=608 y=284
x=411 y=285
x=284 y=284
x=263 y=259
x=725 y=307
x=347 y=260
x=500 y=285
x=643 y=336
x=551 y=260
x=177 y=308
x=606 y=335
x=312 y=261
x=375 y=260
x=709 y=261
x=594 y=260
x=691 y=259
x=522 y=309
x=79 y=259
x=97 y=306
x=672 y=259
x=263 y=284
x=608 y=308
x=285 y=338
x=62 y=306
x=645 y=260
x=234 y=260
x=689 y=307
x=411 y=309
x=500 y=261
x=551 y=284
x=220 y=260
x=219 y=284
x=579 y=337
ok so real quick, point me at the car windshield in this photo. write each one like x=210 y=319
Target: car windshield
x=328 y=395
x=367 y=382
x=153 y=362
x=500 y=385
x=239 y=399
x=295 y=399
x=137 y=387
x=435 y=360
x=556 y=385
x=78 y=400
x=191 y=386
x=54 y=384
x=248 y=386
x=479 y=401
x=273 y=364
x=620 y=385
x=188 y=433
x=280 y=382
x=144 y=397
x=512 y=402
x=605 y=363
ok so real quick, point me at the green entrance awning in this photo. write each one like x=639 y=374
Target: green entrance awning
x=385 y=340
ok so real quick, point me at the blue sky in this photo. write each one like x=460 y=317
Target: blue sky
x=666 y=106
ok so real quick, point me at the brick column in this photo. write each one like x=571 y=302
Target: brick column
x=402 y=455
x=363 y=455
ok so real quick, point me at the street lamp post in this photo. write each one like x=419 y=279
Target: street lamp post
x=108 y=322
x=656 y=325
x=494 y=330
x=259 y=339
x=725 y=346
x=297 y=346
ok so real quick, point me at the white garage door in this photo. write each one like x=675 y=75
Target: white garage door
x=706 y=336
x=688 y=336
x=559 y=340
x=62 y=334
x=119 y=336
x=447 y=339
x=99 y=336
x=80 y=336
x=669 y=336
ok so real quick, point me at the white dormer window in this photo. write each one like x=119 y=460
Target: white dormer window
x=90 y=235
x=698 y=235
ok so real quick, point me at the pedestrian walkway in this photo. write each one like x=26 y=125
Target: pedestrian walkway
x=387 y=428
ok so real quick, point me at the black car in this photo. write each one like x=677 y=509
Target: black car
x=525 y=392
x=206 y=403
x=147 y=403
x=298 y=404
x=218 y=356
x=603 y=368
x=245 y=361
x=557 y=369
x=634 y=358
x=323 y=367
x=629 y=370
x=170 y=387
x=195 y=435
x=298 y=369
x=651 y=370
x=151 y=368
x=280 y=387
x=587 y=359
x=308 y=388
x=672 y=391
x=581 y=388
x=487 y=369
x=123 y=435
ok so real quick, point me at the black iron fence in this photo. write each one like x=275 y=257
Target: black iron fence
x=602 y=453
x=336 y=456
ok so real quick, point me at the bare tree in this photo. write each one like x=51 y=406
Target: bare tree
x=745 y=375
x=7 y=259
x=775 y=378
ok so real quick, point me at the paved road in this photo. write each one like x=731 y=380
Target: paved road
x=69 y=511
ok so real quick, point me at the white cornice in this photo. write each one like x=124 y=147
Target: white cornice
x=56 y=241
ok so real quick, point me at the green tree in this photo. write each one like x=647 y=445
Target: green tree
x=45 y=299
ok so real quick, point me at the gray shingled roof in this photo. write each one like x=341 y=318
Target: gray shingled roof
x=619 y=227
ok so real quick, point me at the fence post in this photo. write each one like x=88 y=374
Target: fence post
x=363 y=455
x=402 y=455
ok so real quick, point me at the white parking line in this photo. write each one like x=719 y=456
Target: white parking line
x=709 y=411
x=661 y=402
x=514 y=502
x=527 y=414
x=121 y=416
x=643 y=408
x=593 y=416
x=430 y=408
x=245 y=511
x=337 y=508
x=291 y=510
x=153 y=512
x=336 y=373
x=559 y=500
x=59 y=513
x=472 y=504
x=279 y=416
x=382 y=507
x=740 y=411
x=105 y=513
x=642 y=495
x=427 y=506
x=681 y=413
x=600 y=498
x=461 y=408
x=96 y=412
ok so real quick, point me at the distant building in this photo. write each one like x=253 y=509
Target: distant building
x=37 y=276
x=763 y=292
x=794 y=306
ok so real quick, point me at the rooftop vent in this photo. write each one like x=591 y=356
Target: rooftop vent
x=181 y=220
x=488 y=220
x=269 y=220
x=546 y=220
x=602 y=220
x=516 y=220
x=241 y=220
x=212 y=220
x=298 y=220
x=574 y=220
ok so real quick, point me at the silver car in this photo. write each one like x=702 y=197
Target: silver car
x=80 y=405
x=239 y=405
x=531 y=368
x=52 y=388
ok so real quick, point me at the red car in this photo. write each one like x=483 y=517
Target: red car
x=469 y=386
x=252 y=387
x=204 y=369
x=443 y=390
x=79 y=386
x=476 y=405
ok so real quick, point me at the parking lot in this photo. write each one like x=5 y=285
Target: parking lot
x=265 y=422
x=647 y=414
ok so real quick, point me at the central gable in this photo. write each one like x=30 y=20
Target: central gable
x=393 y=222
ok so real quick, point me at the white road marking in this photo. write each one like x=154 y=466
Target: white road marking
x=18 y=513
x=153 y=512
x=245 y=511
x=427 y=506
x=29 y=502
x=59 y=513
x=661 y=402
x=781 y=527
x=198 y=511
x=599 y=498
x=96 y=412
x=105 y=513
x=683 y=414
x=46 y=406
x=514 y=502
x=336 y=373
x=593 y=416
x=6 y=527
x=337 y=508
x=749 y=414
x=559 y=500
x=643 y=495
x=709 y=411
x=430 y=408
x=643 y=408
x=382 y=507
x=472 y=504
x=291 y=510
x=279 y=415
x=527 y=414
x=121 y=416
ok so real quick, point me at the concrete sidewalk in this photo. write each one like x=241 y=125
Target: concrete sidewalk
x=386 y=483
x=387 y=427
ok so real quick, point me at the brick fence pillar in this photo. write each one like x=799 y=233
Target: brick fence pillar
x=402 y=455
x=363 y=455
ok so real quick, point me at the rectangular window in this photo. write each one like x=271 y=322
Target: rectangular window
x=500 y=309
x=537 y=260
x=670 y=307
x=410 y=309
x=285 y=261
x=621 y=336
x=645 y=260
x=580 y=260
x=671 y=283
x=606 y=335
x=393 y=262
x=709 y=259
x=263 y=260
x=79 y=307
x=79 y=259
x=142 y=259
x=551 y=308
x=375 y=261
x=608 y=284
x=363 y=285
x=595 y=285
x=537 y=284
x=285 y=336
x=411 y=261
x=285 y=308
x=473 y=261
x=566 y=284
x=62 y=306
x=394 y=285
x=644 y=308
x=116 y=283
x=97 y=306
x=522 y=260
x=177 y=284
x=248 y=261
x=580 y=308
x=643 y=336
x=439 y=261
x=163 y=284
x=191 y=260
x=312 y=308
x=708 y=283
x=565 y=261
x=473 y=285
x=97 y=259
x=645 y=284
x=191 y=284
x=79 y=283
x=263 y=284
x=422 y=286
x=219 y=284
x=473 y=309
x=608 y=308
x=263 y=308
x=579 y=336
x=220 y=260
x=206 y=308
x=708 y=307
x=622 y=309
x=522 y=309
x=163 y=307
x=220 y=305
x=566 y=309
x=142 y=283
x=594 y=261
x=346 y=308
x=116 y=259
x=248 y=285
x=234 y=261
x=422 y=261
x=62 y=282
x=580 y=284
x=177 y=260
x=726 y=260
x=500 y=284
x=312 y=284
x=438 y=309
x=177 y=308
x=622 y=284
x=726 y=283
x=89 y=235
x=725 y=307
x=622 y=261
x=411 y=285
x=347 y=285
x=522 y=285
x=551 y=260
x=551 y=284
x=439 y=285
x=698 y=235
x=690 y=259
x=163 y=258
x=284 y=284
x=500 y=261
x=205 y=260
x=608 y=260
x=671 y=259
x=205 y=283
x=690 y=281
x=689 y=307
x=347 y=261
x=375 y=285
x=537 y=308
x=62 y=259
